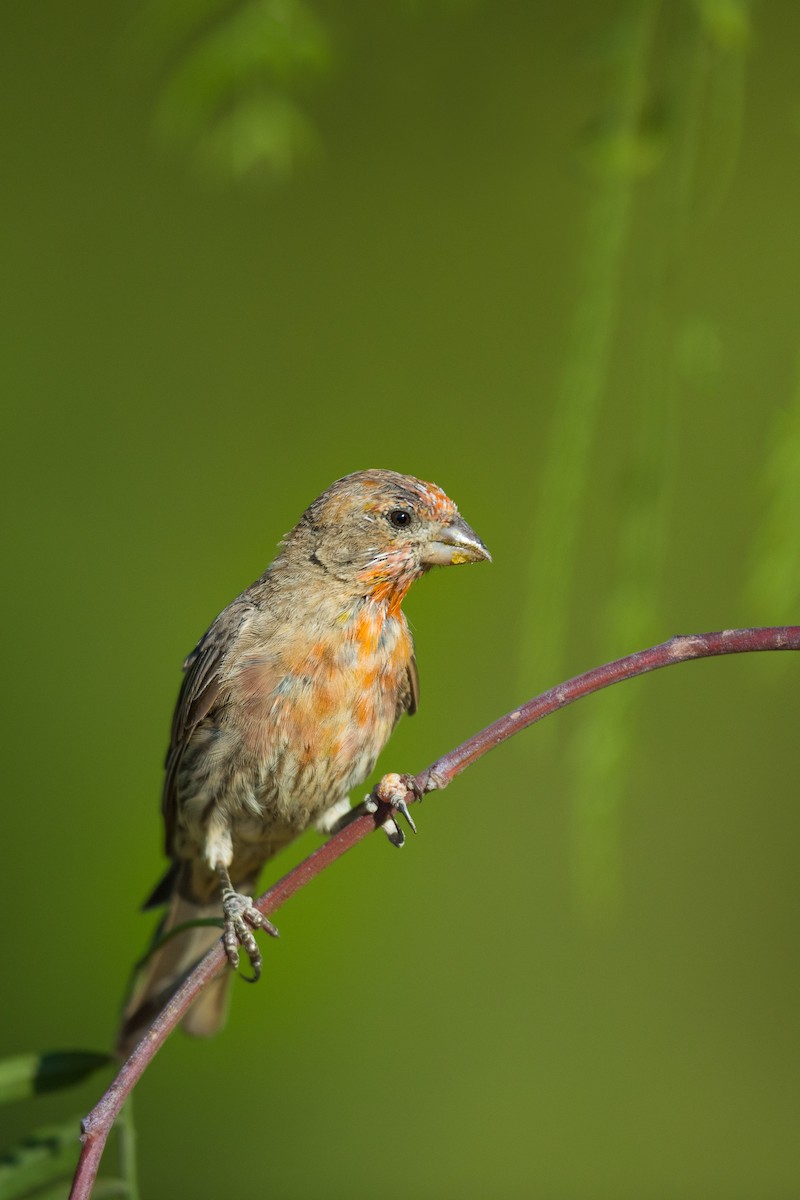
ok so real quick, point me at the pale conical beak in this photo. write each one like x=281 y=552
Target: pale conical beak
x=454 y=542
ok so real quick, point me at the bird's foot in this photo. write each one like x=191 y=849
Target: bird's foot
x=241 y=918
x=392 y=790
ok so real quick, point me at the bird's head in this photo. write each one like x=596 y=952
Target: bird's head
x=378 y=531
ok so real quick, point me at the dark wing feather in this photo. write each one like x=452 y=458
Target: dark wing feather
x=408 y=696
x=197 y=697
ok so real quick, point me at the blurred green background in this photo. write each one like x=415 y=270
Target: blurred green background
x=547 y=256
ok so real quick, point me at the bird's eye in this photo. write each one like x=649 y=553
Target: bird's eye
x=399 y=517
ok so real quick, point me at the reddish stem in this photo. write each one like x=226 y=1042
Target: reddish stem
x=98 y=1123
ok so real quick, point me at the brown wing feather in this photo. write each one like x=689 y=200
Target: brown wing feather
x=408 y=697
x=197 y=697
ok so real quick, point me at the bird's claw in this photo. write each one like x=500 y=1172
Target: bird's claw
x=392 y=790
x=241 y=917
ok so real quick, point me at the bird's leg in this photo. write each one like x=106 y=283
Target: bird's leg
x=338 y=816
x=241 y=918
x=392 y=790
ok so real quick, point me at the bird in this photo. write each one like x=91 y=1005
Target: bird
x=286 y=702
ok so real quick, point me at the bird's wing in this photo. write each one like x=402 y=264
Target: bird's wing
x=199 y=693
x=408 y=696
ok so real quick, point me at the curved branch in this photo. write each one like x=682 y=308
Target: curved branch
x=97 y=1125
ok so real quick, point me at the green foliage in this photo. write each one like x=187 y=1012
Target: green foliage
x=231 y=74
x=677 y=349
x=37 y=1164
x=775 y=579
x=42 y=1163
x=726 y=22
x=32 y=1074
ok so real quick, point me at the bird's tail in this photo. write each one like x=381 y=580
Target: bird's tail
x=167 y=966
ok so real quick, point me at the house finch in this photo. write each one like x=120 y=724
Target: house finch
x=286 y=702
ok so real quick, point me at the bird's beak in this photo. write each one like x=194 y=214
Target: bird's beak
x=453 y=542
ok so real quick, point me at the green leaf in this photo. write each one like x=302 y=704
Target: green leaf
x=47 y=1155
x=228 y=96
x=32 y=1074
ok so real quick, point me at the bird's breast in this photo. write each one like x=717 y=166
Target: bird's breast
x=315 y=713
